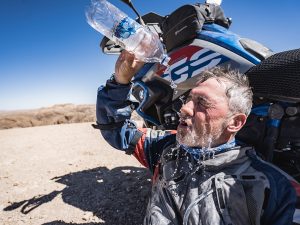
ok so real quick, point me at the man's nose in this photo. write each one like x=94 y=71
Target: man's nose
x=188 y=108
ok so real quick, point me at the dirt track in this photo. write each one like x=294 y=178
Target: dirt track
x=67 y=174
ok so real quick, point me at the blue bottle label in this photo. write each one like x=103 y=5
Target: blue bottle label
x=125 y=28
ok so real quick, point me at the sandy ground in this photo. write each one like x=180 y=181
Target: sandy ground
x=67 y=174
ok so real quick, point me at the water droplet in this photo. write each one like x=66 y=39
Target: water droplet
x=181 y=98
x=172 y=84
x=213 y=156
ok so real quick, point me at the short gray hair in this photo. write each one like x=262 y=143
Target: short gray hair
x=238 y=91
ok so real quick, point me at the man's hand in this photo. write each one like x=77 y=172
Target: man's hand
x=126 y=66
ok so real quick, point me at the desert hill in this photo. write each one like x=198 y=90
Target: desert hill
x=57 y=114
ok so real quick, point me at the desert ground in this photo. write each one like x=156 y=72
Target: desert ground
x=67 y=174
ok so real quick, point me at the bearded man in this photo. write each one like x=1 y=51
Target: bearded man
x=201 y=174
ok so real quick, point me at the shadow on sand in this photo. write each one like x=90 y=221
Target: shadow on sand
x=117 y=196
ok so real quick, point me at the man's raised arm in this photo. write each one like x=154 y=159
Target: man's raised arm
x=114 y=111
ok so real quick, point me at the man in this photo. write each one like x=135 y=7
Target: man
x=200 y=174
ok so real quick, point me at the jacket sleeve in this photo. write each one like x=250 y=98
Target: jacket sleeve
x=281 y=198
x=113 y=112
x=296 y=218
x=283 y=204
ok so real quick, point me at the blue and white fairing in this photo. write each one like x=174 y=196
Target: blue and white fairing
x=213 y=46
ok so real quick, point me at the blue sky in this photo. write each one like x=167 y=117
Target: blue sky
x=50 y=55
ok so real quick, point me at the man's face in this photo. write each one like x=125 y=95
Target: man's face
x=204 y=116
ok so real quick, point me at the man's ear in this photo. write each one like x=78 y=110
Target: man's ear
x=236 y=122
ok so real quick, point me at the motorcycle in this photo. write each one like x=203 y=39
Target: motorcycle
x=197 y=38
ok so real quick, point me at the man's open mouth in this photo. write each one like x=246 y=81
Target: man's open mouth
x=183 y=122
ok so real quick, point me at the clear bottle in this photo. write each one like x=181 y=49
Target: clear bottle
x=126 y=32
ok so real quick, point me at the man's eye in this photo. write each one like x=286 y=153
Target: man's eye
x=202 y=103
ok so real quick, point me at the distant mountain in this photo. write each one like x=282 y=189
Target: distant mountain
x=57 y=114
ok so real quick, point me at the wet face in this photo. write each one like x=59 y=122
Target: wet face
x=204 y=117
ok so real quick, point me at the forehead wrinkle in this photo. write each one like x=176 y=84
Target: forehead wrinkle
x=221 y=82
x=201 y=86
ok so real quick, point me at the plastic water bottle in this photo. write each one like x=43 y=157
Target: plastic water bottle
x=126 y=32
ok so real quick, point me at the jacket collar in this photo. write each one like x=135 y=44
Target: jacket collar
x=235 y=156
x=206 y=153
x=225 y=155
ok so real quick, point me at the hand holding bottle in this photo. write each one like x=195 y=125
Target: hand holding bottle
x=126 y=67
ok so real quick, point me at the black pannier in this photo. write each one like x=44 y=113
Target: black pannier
x=182 y=25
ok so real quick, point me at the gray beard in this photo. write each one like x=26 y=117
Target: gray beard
x=204 y=139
